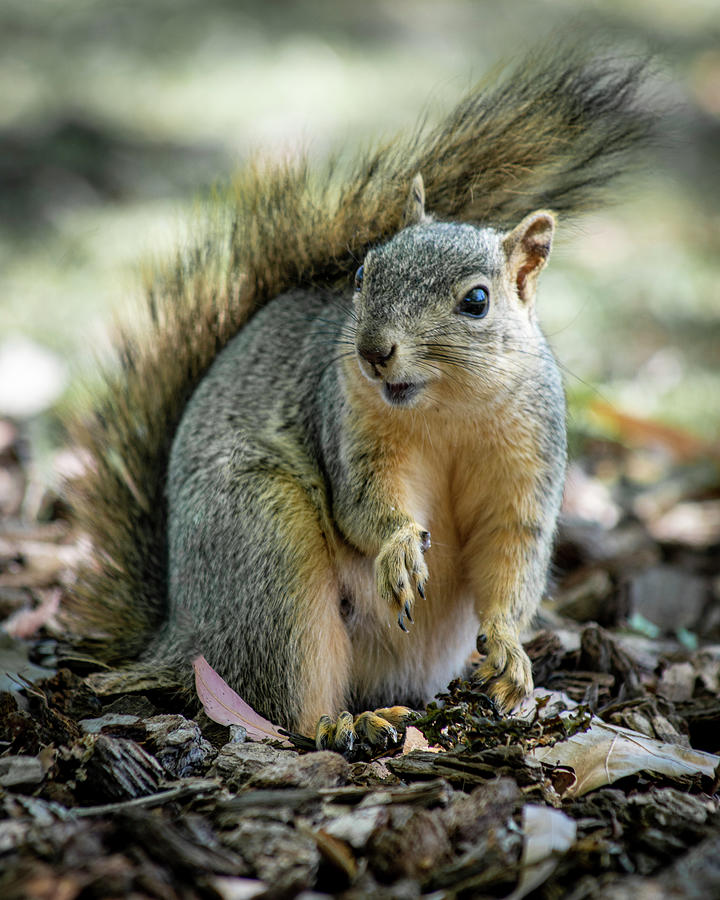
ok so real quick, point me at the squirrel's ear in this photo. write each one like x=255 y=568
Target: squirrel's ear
x=527 y=248
x=415 y=206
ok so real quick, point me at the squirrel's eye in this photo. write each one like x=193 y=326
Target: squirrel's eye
x=358 y=278
x=475 y=303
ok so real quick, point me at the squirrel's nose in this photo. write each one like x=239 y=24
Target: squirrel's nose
x=377 y=357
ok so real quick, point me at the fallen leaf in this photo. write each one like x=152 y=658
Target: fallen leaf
x=336 y=852
x=693 y=524
x=20 y=770
x=25 y=622
x=224 y=706
x=357 y=827
x=605 y=753
x=416 y=740
x=238 y=888
x=548 y=834
x=677 y=682
x=589 y=499
x=681 y=445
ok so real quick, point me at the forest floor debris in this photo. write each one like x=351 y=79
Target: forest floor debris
x=605 y=783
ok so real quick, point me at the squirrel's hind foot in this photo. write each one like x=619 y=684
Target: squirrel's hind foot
x=366 y=734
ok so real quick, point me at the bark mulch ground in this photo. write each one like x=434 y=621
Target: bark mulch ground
x=607 y=786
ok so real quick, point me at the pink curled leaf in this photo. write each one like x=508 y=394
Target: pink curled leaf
x=224 y=706
x=25 y=622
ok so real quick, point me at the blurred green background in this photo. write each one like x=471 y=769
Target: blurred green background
x=114 y=116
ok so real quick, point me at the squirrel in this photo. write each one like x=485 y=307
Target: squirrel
x=329 y=483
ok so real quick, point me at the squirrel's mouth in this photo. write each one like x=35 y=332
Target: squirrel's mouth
x=402 y=392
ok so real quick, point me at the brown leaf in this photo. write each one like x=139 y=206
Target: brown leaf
x=606 y=753
x=336 y=852
x=681 y=445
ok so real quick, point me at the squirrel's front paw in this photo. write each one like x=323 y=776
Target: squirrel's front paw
x=400 y=570
x=364 y=735
x=506 y=673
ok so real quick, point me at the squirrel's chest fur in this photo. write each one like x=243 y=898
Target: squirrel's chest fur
x=458 y=481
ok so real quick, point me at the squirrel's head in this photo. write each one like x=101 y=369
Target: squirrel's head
x=446 y=311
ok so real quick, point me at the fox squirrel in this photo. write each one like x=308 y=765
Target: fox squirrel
x=328 y=495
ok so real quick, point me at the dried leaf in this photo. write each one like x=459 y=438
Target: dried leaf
x=682 y=445
x=336 y=852
x=416 y=740
x=693 y=524
x=605 y=753
x=20 y=770
x=357 y=827
x=589 y=499
x=677 y=682
x=548 y=834
x=547 y=831
x=239 y=888
x=25 y=622
x=224 y=706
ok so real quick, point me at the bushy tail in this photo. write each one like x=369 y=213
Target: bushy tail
x=550 y=134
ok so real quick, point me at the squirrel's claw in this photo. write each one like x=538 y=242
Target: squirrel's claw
x=405 y=611
x=338 y=735
x=401 y=570
x=365 y=735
